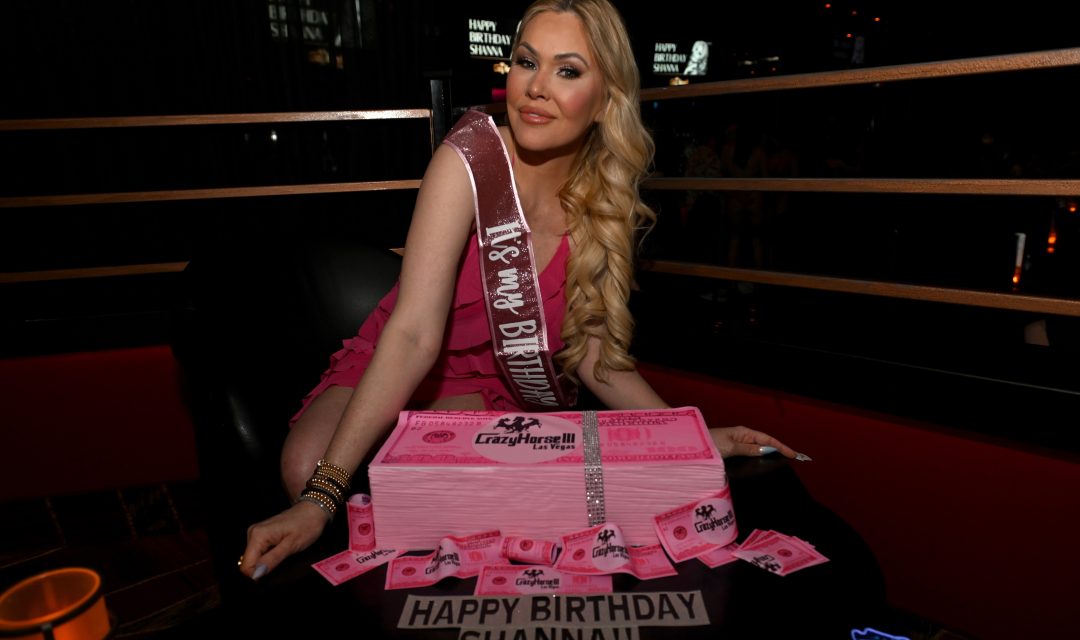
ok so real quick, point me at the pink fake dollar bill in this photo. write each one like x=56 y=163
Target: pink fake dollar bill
x=529 y=551
x=602 y=549
x=348 y=564
x=461 y=557
x=755 y=536
x=719 y=556
x=697 y=527
x=509 y=579
x=778 y=553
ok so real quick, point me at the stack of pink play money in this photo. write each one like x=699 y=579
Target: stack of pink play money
x=446 y=473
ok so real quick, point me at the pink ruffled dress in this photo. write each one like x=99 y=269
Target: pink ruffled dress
x=467 y=361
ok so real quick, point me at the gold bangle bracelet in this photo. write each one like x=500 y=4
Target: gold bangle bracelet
x=320 y=483
x=332 y=477
x=321 y=496
x=333 y=467
x=343 y=488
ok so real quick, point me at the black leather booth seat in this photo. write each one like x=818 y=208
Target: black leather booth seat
x=255 y=333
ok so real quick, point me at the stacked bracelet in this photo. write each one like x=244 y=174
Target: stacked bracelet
x=333 y=471
x=327 y=487
x=326 y=505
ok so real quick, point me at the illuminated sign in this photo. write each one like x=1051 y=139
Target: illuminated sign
x=315 y=22
x=674 y=59
x=490 y=40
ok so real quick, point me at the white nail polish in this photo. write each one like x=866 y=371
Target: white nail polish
x=802 y=457
x=260 y=571
x=764 y=451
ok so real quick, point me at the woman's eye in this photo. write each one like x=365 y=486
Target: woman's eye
x=524 y=62
x=569 y=72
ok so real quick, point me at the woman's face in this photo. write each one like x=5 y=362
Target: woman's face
x=555 y=90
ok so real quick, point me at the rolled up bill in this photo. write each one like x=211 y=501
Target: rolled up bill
x=530 y=551
x=361 y=523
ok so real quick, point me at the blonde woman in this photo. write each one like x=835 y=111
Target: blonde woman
x=574 y=153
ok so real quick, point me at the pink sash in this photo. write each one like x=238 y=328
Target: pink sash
x=515 y=309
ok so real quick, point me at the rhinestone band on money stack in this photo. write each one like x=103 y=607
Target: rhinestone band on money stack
x=594 y=472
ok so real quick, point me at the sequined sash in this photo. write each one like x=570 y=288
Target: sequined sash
x=515 y=308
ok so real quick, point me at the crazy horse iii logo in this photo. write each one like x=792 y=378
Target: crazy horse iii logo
x=526 y=438
x=766 y=562
x=606 y=548
x=517 y=424
x=440 y=559
x=706 y=521
x=533 y=578
x=515 y=430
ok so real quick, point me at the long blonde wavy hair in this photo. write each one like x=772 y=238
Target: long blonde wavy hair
x=603 y=207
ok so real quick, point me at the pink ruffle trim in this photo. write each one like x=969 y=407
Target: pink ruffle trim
x=468 y=364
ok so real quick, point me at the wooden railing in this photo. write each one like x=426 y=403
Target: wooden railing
x=194 y=194
x=897 y=73
x=900 y=73
x=981 y=187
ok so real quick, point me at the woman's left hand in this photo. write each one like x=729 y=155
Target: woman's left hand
x=743 y=441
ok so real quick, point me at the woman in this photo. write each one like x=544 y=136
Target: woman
x=578 y=150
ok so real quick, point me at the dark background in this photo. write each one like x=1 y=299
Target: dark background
x=113 y=58
x=122 y=57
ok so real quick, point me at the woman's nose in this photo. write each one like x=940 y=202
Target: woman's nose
x=537 y=87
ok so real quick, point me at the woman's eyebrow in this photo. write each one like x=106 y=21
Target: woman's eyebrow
x=564 y=56
x=558 y=56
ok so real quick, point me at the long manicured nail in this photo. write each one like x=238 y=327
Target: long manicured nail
x=260 y=571
x=802 y=457
x=764 y=451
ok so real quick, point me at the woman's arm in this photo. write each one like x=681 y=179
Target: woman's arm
x=623 y=389
x=412 y=338
x=407 y=348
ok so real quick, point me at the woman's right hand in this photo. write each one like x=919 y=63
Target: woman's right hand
x=272 y=540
